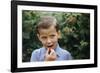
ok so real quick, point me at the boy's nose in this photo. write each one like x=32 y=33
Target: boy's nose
x=48 y=41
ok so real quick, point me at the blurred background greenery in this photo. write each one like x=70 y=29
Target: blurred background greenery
x=75 y=33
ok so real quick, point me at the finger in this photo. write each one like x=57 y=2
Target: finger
x=52 y=52
x=47 y=51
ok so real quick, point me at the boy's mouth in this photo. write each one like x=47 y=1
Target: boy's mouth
x=50 y=46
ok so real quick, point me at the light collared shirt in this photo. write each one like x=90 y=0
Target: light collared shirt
x=39 y=54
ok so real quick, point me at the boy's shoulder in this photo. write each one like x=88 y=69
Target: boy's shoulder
x=38 y=50
x=65 y=51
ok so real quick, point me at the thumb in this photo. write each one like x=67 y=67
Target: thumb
x=52 y=52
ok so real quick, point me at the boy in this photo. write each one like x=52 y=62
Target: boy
x=48 y=33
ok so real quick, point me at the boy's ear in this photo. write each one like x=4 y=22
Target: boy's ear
x=59 y=34
x=38 y=36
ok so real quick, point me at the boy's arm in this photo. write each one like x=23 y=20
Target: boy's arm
x=69 y=57
x=34 y=56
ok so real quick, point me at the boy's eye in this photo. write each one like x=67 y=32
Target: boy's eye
x=52 y=35
x=43 y=37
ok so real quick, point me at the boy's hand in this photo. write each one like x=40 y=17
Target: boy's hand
x=50 y=55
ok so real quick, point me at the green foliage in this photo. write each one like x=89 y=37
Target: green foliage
x=74 y=27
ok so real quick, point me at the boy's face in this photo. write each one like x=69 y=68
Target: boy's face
x=49 y=37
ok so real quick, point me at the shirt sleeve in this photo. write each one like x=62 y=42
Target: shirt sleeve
x=66 y=55
x=34 y=56
x=69 y=57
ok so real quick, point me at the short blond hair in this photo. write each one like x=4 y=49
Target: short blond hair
x=45 y=22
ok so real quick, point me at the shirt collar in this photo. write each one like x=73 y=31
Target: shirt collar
x=57 y=50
